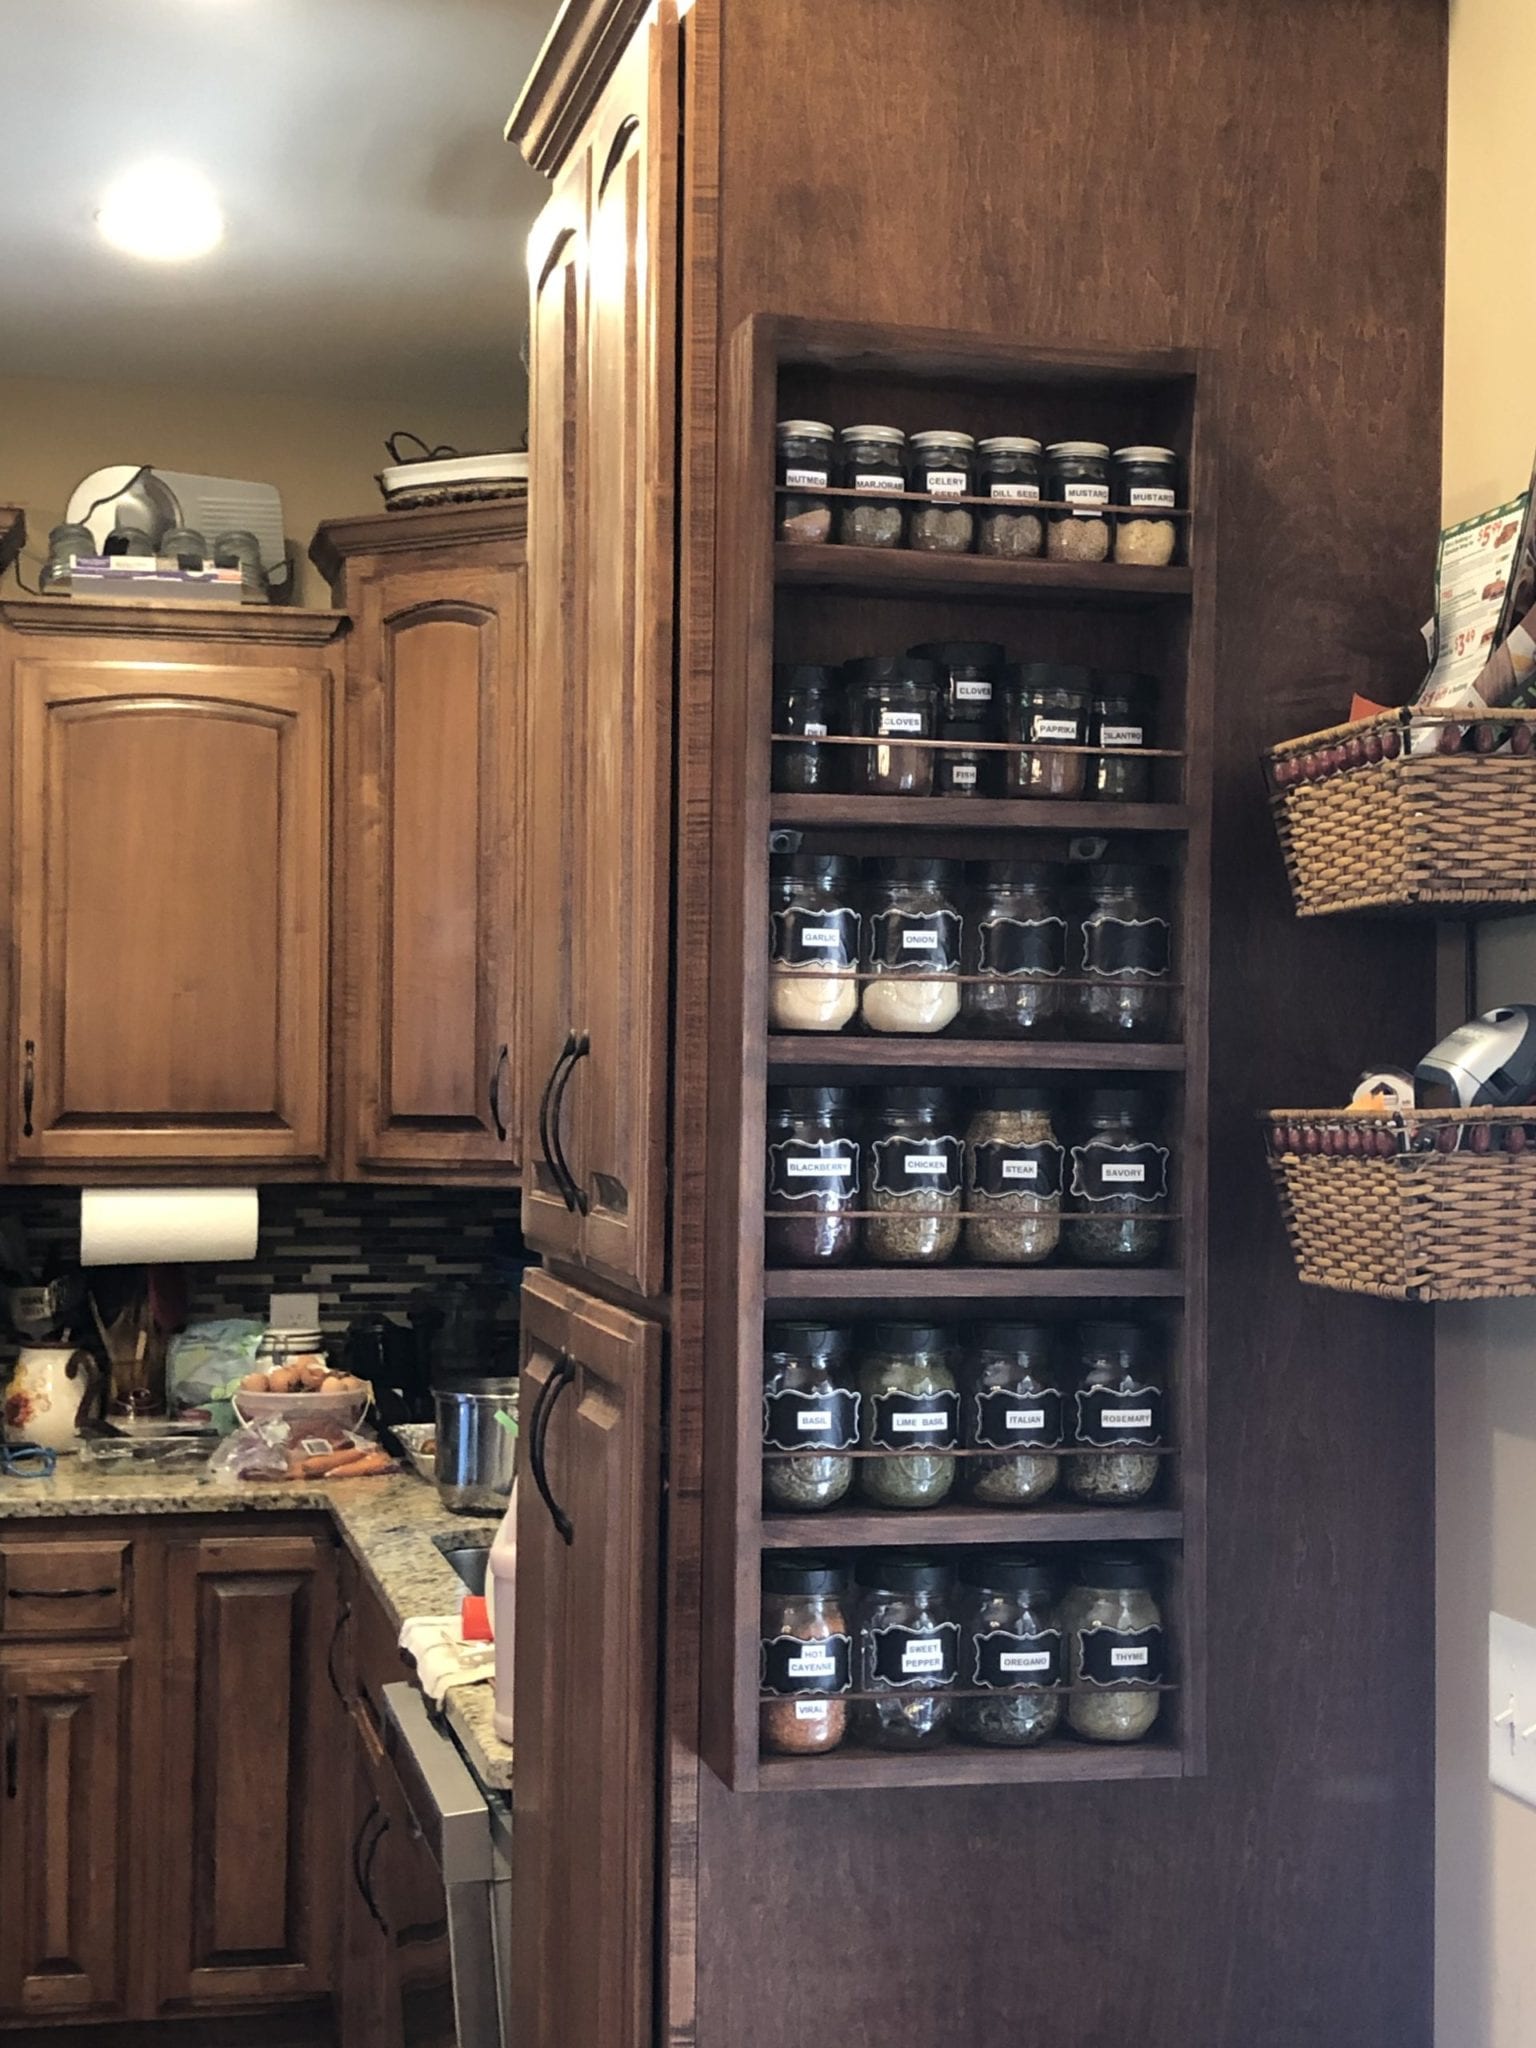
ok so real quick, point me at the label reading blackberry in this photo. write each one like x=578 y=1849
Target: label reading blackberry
x=878 y=480
x=1120 y=1176
x=946 y=483
x=1022 y=945
x=829 y=938
x=1106 y=1418
x=915 y=1422
x=1137 y=948
x=1121 y=1657
x=921 y=942
x=914 y=1656
x=1002 y=1168
x=902 y=1165
x=828 y=1421
x=1006 y=1421
x=807 y=1170
x=1157 y=495
x=798 y=478
x=1007 y=492
x=790 y=1665
x=1004 y=1659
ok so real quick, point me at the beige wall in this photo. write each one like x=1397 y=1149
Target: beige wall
x=321 y=454
x=1486 y=1393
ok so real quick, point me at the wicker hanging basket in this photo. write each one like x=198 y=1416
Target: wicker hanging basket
x=1365 y=824
x=1415 y=1205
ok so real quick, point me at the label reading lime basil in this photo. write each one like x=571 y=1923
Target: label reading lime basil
x=915 y=1422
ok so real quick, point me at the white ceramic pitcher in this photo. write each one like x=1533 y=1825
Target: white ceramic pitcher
x=49 y=1385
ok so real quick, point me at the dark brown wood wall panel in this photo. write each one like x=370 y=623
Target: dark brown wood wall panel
x=1265 y=181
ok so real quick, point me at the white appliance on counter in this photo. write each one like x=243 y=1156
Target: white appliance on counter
x=158 y=499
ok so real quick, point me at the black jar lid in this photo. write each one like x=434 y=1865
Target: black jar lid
x=1121 y=1574
x=814 y=867
x=953 y=654
x=891 y=668
x=808 y=1340
x=1034 y=1099
x=1134 y=1338
x=1014 y=874
x=903 y=1571
x=915 y=871
x=997 y=1571
x=907 y=1340
x=1114 y=1102
x=802 y=1571
x=802 y=675
x=918 y=1101
x=1125 y=874
x=822 y=1101
x=958 y=728
x=1048 y=675
x=1015 y=1337
x=1123 y=682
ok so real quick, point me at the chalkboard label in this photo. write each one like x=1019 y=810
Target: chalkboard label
x=1002 y=1168
x=1106 y=1417
x=1005 y=1421
x=914 y=1656
x=826 y=938
x=1127 y=947
x=1120 y=1176
x=1022 y=945
x=806 y=1170
x=828 y=1421
x=917 y=942
x=915 y=1422
x=1121 y=1657
x=1003 y=1660
x=900 y=1166
x=790 y=1666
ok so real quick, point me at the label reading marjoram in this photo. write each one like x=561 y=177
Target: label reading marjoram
x=1003 y=1659
x=828 y=1421
x=915 y=1422
x=829 y=938
x=1106 y=1418
x=878 y=480
x=805 y=1170
x=1121 y=1657
x=902 y=1165
x=1022 y=945
x=1120 y=1176
x=1001 y=1168
x=1119 y=947
x=1007 y=1421
x=914 y=1656
x=790 y=1665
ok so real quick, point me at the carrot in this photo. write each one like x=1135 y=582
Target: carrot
x=332 y=1461
x=363 y=1468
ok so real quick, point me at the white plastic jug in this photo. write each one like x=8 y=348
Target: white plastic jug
x=502 y=1609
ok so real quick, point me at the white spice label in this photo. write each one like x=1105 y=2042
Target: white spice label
x=1086 y=497
x=1021 y=1169
x=901 y=722
x=822 y=938
x=919 y=1422
x=1024 y=1418
x=921 y=941
x=814 y=1418
x=1125 y=1418
x=1020 y=1661
x=946 y=483
x=972 y=690
x=1016 y=494
x=963 y=775
x=879 y=480
x=923 y=1656
x=1113 y=735
x=813 y=1662
x=1125 y=1173
x=822 y=1168
x=805 y=479
x=815 y=730
x=1122 y=1659
x=927 y=1162
x=810 y=1710
x=1063 y=729
x=1152 y=494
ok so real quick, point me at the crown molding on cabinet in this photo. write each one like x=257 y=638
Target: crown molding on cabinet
x=569 y=72
x=391 y=533
x=145 y=619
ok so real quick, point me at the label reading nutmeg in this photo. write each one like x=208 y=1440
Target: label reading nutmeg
x=899 y=1656
x=1005 y=1660
x=789 y=1665
x=1003 y=1168
x=915 y=1422
x=1120 y=1657
x=899 y=1166
x=799 y=478
x=826 y=1421
x=1007 y=1421
x=1022 y=945
x=1127 y=947
x=827 y=938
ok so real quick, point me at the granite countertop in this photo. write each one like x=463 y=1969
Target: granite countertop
x=387 y=1523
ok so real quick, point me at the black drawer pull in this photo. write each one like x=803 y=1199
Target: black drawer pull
x=543 y=1411
x=576 y=1197
x=497 y=1070
x=60 y=1592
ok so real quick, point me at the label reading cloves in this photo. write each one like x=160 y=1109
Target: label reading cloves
x=828 y=1421
x=914 y=1656
x=789 y=1665
x=1003 y=1660
x=915 y=1422
x=1120 y=1657
x=828 y=938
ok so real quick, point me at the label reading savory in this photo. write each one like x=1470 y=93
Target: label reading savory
x=901 y=1165
x=801 y=1169
x=1007 y=1660
x=829 y=938
x=1122 y=948
x=1003 y=1168
x=1120 y=1657
x=1022 y=945
x=915 y=1422
x=790 y=1665
x=1009 y=1421
x=1107 y=1417
x=825 y=1421
x=1120 y=1176
x=917 y=940
x=900 y=1656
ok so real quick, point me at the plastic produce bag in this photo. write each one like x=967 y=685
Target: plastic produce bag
x=202 y=1360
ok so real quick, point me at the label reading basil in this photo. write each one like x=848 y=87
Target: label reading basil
x=1063 y=731
x=1022 y=945
x=829 y=938
x=1006 y=1421
x=789 y=1665
x=798 y=479
x=1003 y=1659
x=878 y=480
x=1151 y=494
x=1002 y=1168
x=914 y=1656
x=1121 y=1176
x=946 y=483
x=901 y=1165
x=896 y=723
x=915 y=1422
x=1114 y=735
x=828 y=1421
x=803 y=1170
x=1085 y=499
x=1132 y=1416
x=1121 y=1657
x=918 y=941
x=1126 y=946
x=1009 y=493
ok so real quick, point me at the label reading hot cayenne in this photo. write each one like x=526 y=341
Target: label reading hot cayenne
x=789 y=1665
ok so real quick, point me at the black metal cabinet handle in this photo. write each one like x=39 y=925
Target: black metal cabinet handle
x=362 y=1861
x=60 y=1592
x=12 y=1749
x=577 y=1197
x=562 y=1179
x=543 y=1412
x=28 y=1089
x=497 y=1070
x=343 y=1616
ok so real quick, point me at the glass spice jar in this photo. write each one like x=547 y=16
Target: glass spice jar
x=1077 y=481
x=806 y=1657
x=912 y=939
x=804 y=476
x=1013 y=1405
x=1120 y=728
x=1115 y=1650
x=909 y=1409
x=1009 y=475
x=892 y=698
x=961 y=764
x=813 y=1178
x=810 y=1408
x=1016 y=939
x=943 y=469
x=807 y=702
x=1046 y=709
x=907 y=1650
x=914 y=1179
x=1146 y=484
x=1119 y=1413
x=1119 y=1174
x=1013 y=1179
x=1011 y=1649
x=872 y=460
x=1125 y=954
x=813 y=947
x=969 y=674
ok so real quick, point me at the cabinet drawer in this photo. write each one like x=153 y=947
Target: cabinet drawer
x=65 y=1589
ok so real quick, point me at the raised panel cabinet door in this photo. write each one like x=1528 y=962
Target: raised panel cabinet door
x=63 y=1832
x=594 y=1374
x=552 y=820
x=434 y=773
x=170 y=911
x=629 y=461
x=252 y=1782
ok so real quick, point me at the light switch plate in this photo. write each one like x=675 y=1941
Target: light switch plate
x=294 y=1312
x=1512 y=1707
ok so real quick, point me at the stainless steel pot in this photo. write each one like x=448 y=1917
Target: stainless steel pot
x=476 y=1456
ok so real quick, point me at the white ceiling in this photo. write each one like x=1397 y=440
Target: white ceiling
x=376 y=217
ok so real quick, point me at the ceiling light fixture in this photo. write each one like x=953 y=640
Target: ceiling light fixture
x=163 y=212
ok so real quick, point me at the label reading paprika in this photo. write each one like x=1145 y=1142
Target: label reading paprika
x=1022 y=945
x=1120 y=1175
x=1106 y=1416
x=1004 y=1660
x=1003 y=1168
x=914 y=1656
x=902 y=1165
x=790 y=1665
x=1008 y=1421
x=1062 y=732
x=829 y=938
x=828 y=1421
x=1120 y=1657
x=1121 y=947
x=915 y=1422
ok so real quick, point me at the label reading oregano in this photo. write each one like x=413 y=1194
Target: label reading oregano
x=1106 y=1418
x=920 y=942
x=826 y=937
x=1006 y=1421
x=1002 y=1660
x=1121 y=1657
x=1126 y=946
x=828 y=1421
x=915 y=1422
x=1002 y=1168
x=914 y=1656
x=1120 y=1176
x=805 y=1170
x=790 y=1665
x=902 y=1165
x=1022 y=945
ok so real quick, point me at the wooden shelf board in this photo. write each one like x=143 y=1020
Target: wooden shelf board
x=988 y=1055
x=1054 y=1763
x=907 y=572
x=973 y=813
x=894 y=1529
x=879 y=1285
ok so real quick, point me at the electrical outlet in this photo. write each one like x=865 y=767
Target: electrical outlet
x=1512 y=1707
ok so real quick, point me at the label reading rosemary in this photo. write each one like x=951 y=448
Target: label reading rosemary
x=1006 y=1421
x=1003 y=1168
x=1022 y=945
x=829 y=938
x=1106 y=1417
x=1120 y=1176
x=828 y=1421
x=790 y=1665
x=1003 y=1659
x=915 y=1422
x=1121 y=1657
x=1122 y=947
x=914 y=1656
x=901 y=1165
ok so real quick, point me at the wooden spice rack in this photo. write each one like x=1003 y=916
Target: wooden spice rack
x=826 y=604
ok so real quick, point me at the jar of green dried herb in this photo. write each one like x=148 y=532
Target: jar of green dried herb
x=1115 y=1650
x=1013 y=1406
x=1121 y=728
x=907 y=1650
x=909 y=1412
x=1119 y=1413
x=1011 y=1652
x=810 y=1416
x=1119 y=1182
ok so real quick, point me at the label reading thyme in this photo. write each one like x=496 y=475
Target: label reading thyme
x=1121 y=1657
x=1004 y=1659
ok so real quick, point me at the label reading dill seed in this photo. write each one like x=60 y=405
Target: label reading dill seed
x=1007 y=493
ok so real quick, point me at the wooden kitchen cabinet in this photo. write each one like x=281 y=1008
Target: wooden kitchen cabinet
x=597 y=839
x=587 y=1633
x=169 y=888
x=433 y=1049
x=64 y=1832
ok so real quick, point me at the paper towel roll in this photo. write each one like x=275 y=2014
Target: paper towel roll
x=162 y=1226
